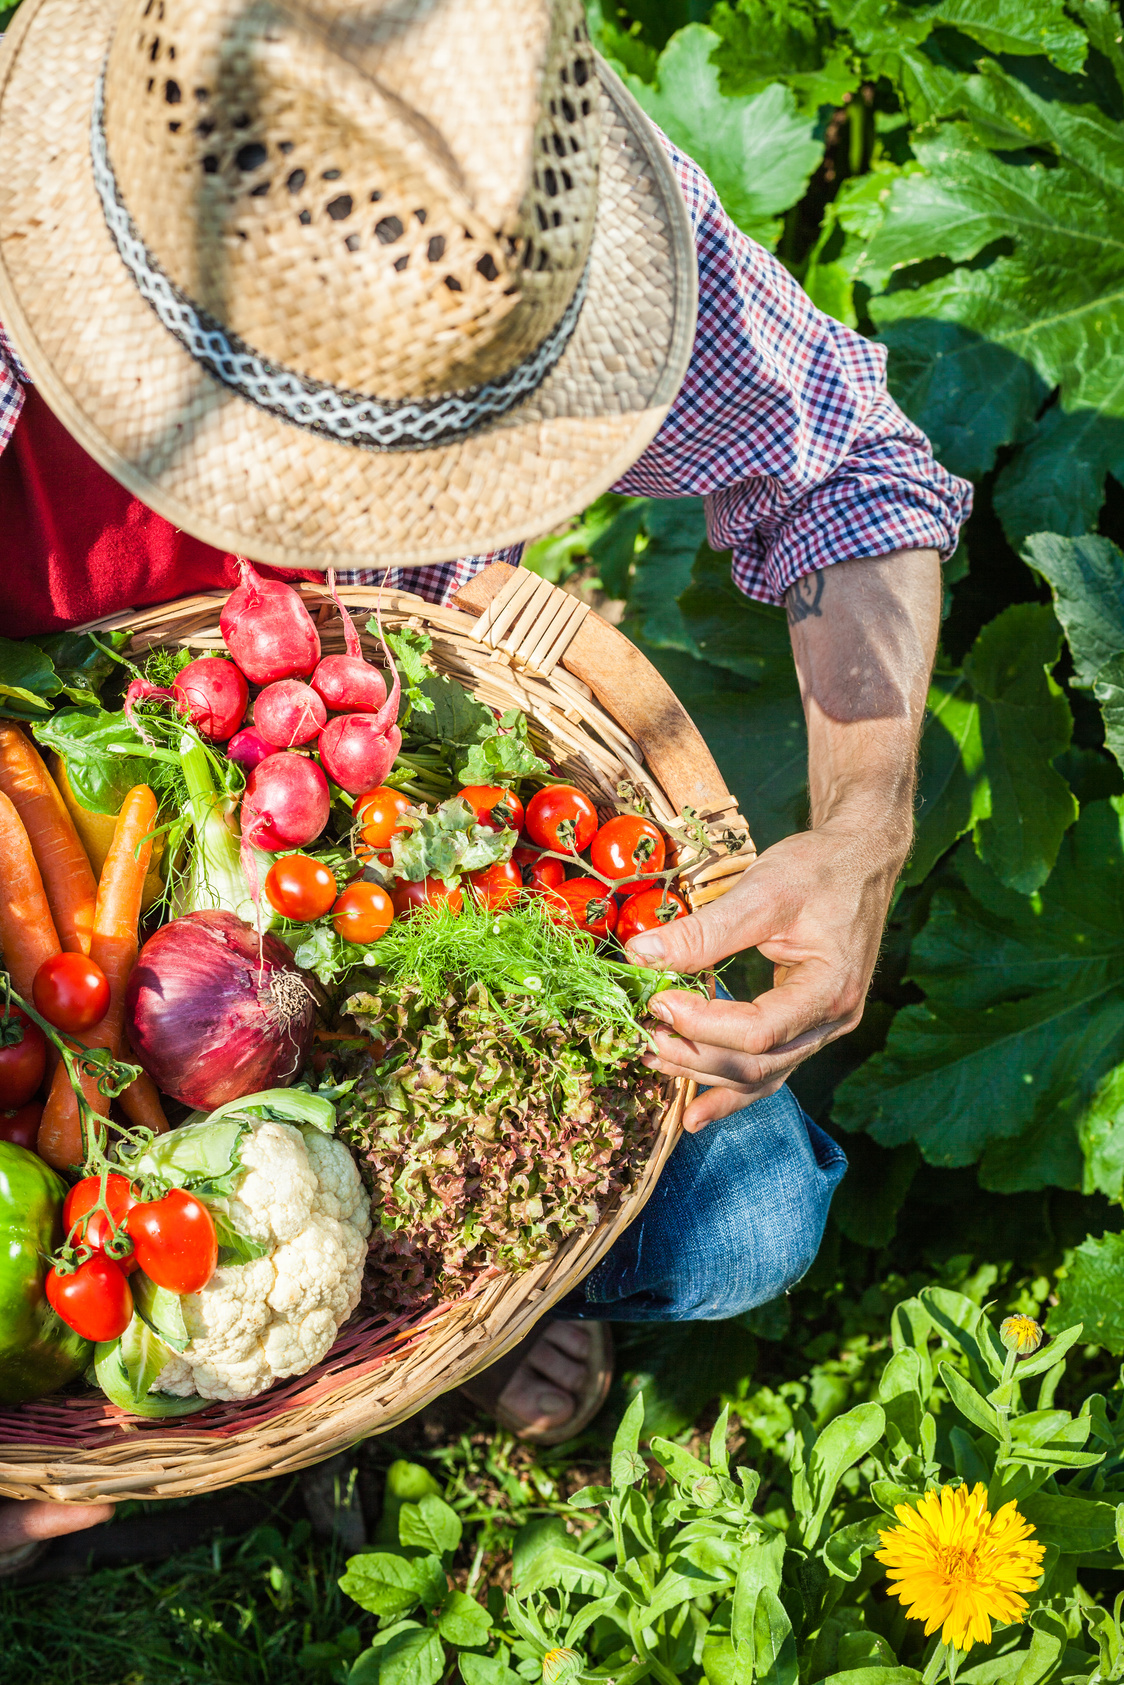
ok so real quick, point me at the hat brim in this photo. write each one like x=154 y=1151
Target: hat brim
x=216 y=465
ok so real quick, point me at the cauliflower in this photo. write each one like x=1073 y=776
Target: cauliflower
x=299 y=1194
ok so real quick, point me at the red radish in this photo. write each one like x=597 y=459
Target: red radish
x=285 y=804
x=213 y=694
x=248 y=747
x=141 y=690
x=288 y=713
x=268 y=630
x=347 y=681
x=358 y=750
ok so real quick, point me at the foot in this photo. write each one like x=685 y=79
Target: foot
x=552 y=1385
x=546 y=1390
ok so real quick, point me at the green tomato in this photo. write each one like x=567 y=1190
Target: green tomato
x=38 y=1352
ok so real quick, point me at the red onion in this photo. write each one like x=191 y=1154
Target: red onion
x=210 y=1018
x=268 y=630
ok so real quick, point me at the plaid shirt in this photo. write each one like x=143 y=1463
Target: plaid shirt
x=783 y=424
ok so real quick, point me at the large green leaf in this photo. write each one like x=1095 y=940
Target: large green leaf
x=1055 y=301
x=1092 y=1292
x=1102 y=1138
x=953 y=793
x=1023 y=1009
x=762 y=43
x=1024 y=722
x=1086 y=576
x=758 y=150
x=27 y=679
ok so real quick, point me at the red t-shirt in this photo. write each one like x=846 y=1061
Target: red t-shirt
x=75 y=545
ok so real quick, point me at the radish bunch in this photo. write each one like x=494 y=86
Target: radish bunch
x=335 y=707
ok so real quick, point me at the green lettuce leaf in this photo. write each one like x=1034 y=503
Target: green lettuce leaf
x=99 y=750
x=447 y=843
x=504 y=757
x=27 y=679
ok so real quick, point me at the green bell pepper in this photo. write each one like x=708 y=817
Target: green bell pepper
x=38 y=1352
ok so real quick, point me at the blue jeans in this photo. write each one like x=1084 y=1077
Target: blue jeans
x=736 y=1217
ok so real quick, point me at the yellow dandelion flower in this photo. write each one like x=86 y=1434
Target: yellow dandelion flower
x=958 y=1567
x=1021 y=1334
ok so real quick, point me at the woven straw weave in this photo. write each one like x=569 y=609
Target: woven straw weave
x=80 y=1448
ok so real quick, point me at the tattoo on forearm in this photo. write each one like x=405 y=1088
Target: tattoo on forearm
x=802 y=599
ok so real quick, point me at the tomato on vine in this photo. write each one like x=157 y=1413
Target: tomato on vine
x=497 y=885
x=174 y=1241
x=363 y=913
x=71 y=991
x=628 y=846
x=98 y=1231
x=588 y=904
x=300 y=888
x=496 y=808
x=648 y=911
x=23 y=1057
x=94 y=1299
x=379 y=812
x=430 y=892
x=562 y=817
x=536 y=870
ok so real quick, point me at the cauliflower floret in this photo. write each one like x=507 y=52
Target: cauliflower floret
x=280 y=1314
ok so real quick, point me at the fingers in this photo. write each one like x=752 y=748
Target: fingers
x=718 y=1103
x=21 y=1523
x=759 y=904
x=812 y=999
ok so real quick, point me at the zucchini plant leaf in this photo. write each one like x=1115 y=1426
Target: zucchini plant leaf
x=758 y=150
x=1092 y=1292
x=1086 y=576
x=1023 y=1008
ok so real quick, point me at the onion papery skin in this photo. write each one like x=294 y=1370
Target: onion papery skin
x=210 y=1018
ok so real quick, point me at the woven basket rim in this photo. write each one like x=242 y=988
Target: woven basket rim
x=403 y=1362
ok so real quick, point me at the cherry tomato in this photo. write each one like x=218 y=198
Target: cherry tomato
x=537 y=872
x=362 y=913
x=21 y=1127
x=430 y=892
x=300 y=888
x=23 y=1057
x=95 y=1299
x=378 y=812
x=71 y=991
x=627 y=847
x=495 y=807
x=588 y=904
x=175 y=1241
x=120 y=1199
x=497 y=885
x=648 y=910
x=561 y=817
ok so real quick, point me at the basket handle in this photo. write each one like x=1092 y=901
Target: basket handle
x=629 y=687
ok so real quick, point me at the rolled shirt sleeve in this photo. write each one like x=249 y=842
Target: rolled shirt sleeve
x=784 y=425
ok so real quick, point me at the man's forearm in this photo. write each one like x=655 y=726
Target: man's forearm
x=864 y=634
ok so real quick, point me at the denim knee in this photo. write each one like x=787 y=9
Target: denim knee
x=736 y=1218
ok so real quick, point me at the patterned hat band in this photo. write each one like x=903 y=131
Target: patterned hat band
x=352 y=418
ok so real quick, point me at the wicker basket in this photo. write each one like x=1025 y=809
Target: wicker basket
x=601 y=713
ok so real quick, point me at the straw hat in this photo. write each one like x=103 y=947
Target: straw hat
x=341 y=284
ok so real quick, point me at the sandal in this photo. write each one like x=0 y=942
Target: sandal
x=486 y=1388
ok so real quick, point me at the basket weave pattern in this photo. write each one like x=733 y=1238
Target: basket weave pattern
x=379 y=1372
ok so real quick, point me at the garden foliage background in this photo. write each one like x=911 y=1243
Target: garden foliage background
x=947 y=176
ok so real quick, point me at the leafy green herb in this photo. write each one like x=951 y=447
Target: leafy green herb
x=446 y=843
x=409 y=647
x=505 y=756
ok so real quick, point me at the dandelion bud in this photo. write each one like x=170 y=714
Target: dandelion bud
x=1021 y=1334
x=560 y=1666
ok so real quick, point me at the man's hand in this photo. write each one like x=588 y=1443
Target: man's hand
x=863 y=635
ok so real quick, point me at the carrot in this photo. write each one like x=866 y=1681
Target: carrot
x=114 y=947
x=67 y=876
x=27 y=931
